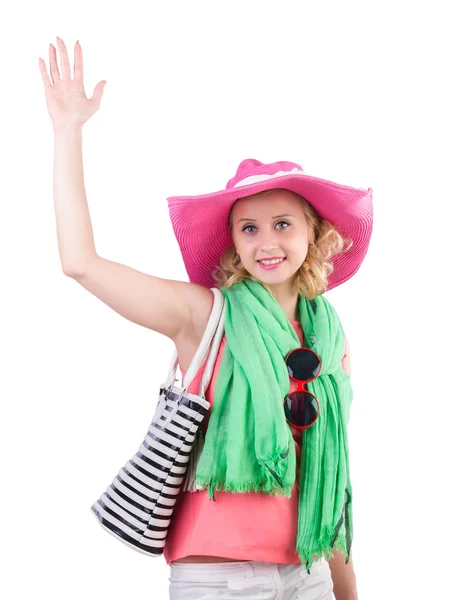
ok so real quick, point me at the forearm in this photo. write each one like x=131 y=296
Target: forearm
x=343 y=576
x=74 y=228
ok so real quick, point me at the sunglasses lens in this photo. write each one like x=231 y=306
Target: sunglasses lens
x=301 y=409
x=303 y=364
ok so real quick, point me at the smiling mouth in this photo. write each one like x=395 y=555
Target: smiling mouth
x=274 y=259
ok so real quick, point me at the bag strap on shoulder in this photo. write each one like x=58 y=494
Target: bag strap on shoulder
x=219 y=300
x=212 y=337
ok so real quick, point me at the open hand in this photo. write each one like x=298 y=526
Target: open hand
x=65 y=97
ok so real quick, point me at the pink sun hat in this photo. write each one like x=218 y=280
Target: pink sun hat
x=200 y=223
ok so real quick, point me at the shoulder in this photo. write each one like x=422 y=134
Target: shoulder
x=202 y=305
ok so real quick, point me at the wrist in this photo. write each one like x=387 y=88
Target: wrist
x=70 y=129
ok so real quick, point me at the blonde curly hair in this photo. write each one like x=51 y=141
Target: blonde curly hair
x=311 y=279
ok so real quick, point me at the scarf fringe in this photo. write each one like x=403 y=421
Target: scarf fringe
x=273 y=484
x=323 y=548
x=241 y=488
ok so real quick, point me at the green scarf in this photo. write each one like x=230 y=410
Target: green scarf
x=249 y=445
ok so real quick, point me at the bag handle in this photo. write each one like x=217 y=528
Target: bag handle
x=215 y=345
x=212 y=336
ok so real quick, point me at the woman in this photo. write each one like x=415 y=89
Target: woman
x=274 y=523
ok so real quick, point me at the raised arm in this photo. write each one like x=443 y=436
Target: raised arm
x=176 y=309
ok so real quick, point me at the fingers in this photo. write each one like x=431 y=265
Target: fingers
x=64 y=62
x=78 y=62
x=44 y=73
x=55 y=75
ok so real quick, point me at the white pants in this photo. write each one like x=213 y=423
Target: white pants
x=250 y=580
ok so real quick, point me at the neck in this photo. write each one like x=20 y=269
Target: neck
x=290 y=304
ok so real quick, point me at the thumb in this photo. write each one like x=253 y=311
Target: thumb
x=98 y=92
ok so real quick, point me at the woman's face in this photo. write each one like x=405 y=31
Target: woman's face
x=259 y=232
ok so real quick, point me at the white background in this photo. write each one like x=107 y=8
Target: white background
x=361 y=93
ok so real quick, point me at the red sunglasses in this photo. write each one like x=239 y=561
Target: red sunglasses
x=301 y=408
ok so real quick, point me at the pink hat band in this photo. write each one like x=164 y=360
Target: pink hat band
x=249 y=172
x=200 y=223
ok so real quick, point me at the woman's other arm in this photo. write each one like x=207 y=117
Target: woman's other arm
x=347 y=358
x=343 y=576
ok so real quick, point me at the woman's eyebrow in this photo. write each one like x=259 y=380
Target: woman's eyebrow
x=276 y=217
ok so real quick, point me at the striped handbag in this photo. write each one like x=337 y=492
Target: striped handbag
x=138 y=505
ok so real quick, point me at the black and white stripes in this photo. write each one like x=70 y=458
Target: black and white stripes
x=138 y=504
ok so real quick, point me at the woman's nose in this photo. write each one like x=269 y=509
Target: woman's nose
x=268 y=240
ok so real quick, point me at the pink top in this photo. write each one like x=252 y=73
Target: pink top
x=252 y=526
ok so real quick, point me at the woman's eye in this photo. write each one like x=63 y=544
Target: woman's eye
x=252 y=226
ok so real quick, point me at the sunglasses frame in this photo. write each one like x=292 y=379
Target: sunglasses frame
x=301 y=388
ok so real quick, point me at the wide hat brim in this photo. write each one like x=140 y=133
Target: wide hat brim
x=200 y=223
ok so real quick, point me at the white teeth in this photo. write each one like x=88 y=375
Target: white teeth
x=271 y=262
